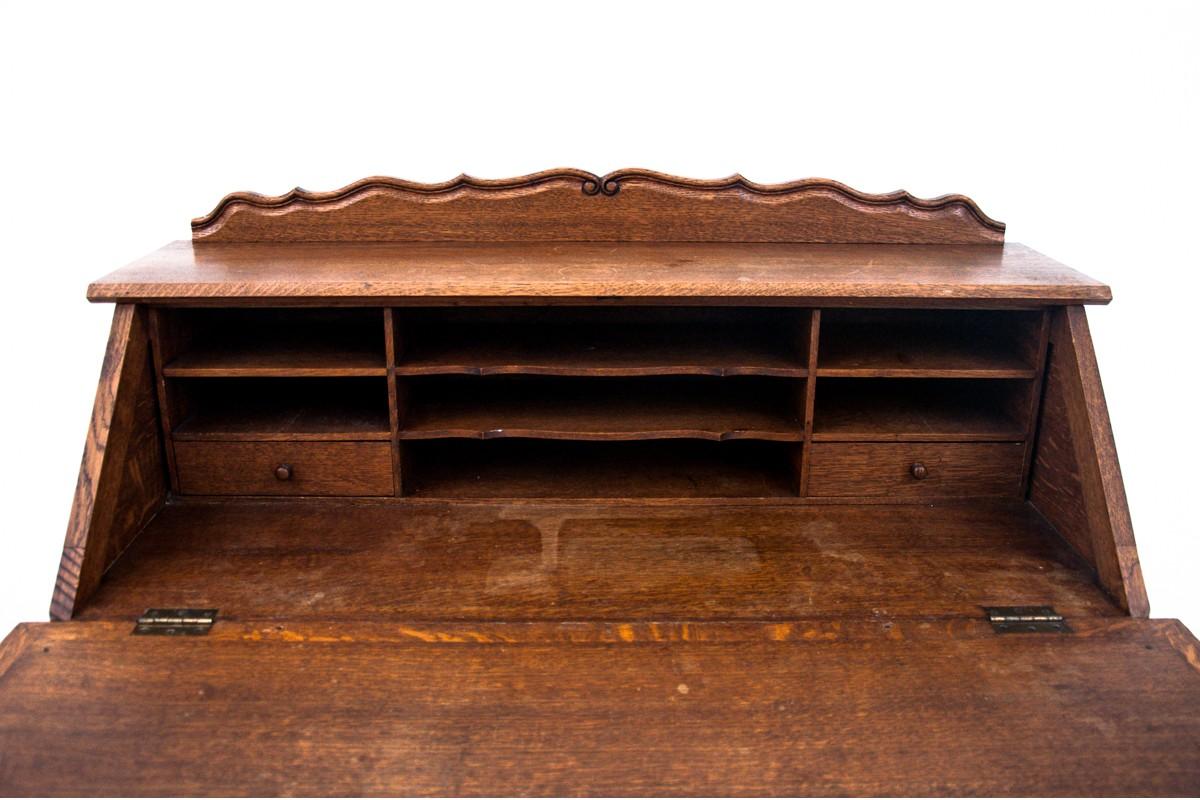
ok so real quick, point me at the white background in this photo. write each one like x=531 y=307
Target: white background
x=1077 y=124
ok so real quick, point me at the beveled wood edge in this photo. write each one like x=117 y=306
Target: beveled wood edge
x=824 y=295
x=589 y=184
x=16 y=641
x=815 y=631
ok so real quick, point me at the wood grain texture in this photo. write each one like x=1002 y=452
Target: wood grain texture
x=274 y=343
x=166 y=341
x=864 y=470
x=572 y=347
x=122 y=478
x=1076 y=477
x=669 y=469
x=435 y=273
x=322 y=409
x=260 y=708
x=572 y=205
x=285 y=359
x=612 y=409
x=928 y=344
x=406 y=560
x=903 y=410
x=391 y=342
x=812 y=347
x=348 y=469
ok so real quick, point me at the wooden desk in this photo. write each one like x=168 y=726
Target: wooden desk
x=620 y=485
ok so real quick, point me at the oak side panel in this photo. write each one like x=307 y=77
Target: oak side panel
x=573 y=205
x=1076 y=480
x=123 y=476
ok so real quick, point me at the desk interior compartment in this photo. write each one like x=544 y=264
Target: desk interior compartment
x=281 y=409
x=896 y=343
x=271 y=342
x=545 y=469
x=603 y=341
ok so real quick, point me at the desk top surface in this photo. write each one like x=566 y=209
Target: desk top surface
x=548 y=272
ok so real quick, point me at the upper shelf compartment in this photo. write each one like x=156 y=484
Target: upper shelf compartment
x=604 y=342
x=273 y=343
x=923 y=344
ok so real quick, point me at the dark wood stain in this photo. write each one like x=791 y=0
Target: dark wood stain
x=623 y=485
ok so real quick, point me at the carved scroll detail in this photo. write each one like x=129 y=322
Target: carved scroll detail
x=589 y=183
x=610 y=184
x=574 y=205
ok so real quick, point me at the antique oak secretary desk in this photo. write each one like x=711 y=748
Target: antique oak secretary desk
x=617 y=485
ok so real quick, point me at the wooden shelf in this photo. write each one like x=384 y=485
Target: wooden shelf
x=574 y=347
x=883 y=410
x=604 y=409
x=526 y=468
x=946 y=344
x=352 y=409
x=281 y=359
x=278 y=343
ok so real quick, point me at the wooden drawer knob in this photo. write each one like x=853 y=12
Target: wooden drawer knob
x=284 y=472
x=918 y=471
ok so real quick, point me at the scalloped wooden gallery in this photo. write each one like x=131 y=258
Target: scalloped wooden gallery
x=573 y=484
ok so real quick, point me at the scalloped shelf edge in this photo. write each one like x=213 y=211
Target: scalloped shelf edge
x=590 y=184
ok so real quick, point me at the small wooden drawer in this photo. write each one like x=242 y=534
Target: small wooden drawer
x=347 y=469
x=915 y=470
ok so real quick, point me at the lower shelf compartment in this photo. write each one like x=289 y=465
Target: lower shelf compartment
x=530 y=468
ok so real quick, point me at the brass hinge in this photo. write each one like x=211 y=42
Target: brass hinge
x=1026 y=619
x=175 y=622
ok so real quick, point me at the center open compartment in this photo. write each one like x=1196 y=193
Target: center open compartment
x=592 y=341
x=604 y=408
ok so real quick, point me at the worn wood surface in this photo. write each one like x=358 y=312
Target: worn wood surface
x=275 y=343
x=122 y=478
x=928 y=344
x=572 y=205
x=612 y=409
x=915 y=707
x=627 y=272
x=674 y=469
x=409 y=560
x=269 y=409
x=346 y=469
x=575 y=348
x=887 y=470
x=854 y=410
x=1076 y=477
x=290 y=359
